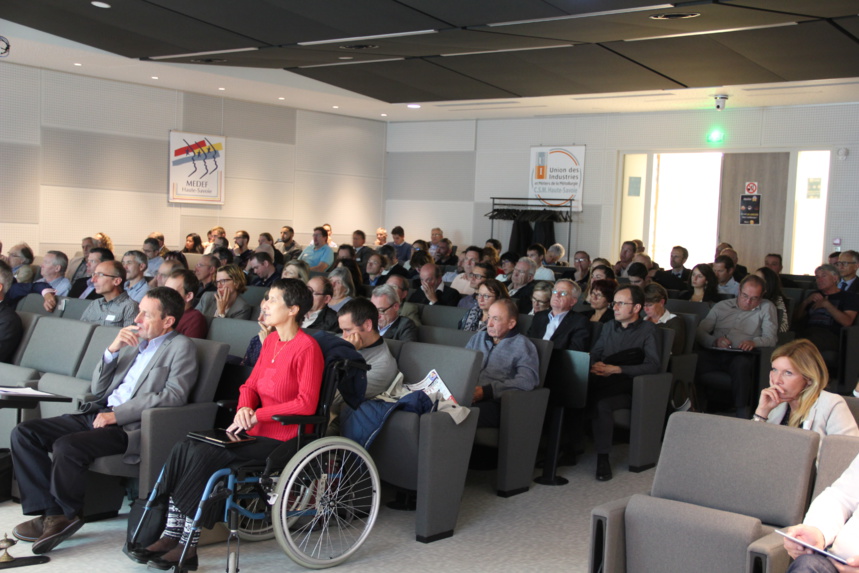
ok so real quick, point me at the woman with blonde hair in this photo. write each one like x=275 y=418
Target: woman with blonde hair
x=296 y=269
x=796 y=395
x=344 y=287
x=226 y=301
x=103 y=241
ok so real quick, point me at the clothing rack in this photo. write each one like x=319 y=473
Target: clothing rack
x=533 y=209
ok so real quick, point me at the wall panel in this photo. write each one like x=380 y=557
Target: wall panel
x=250 y=199
x=343 y=201
x=337 y=144
x=261 y=160
x=20 y=88
x=19 y=185
x=501 y=174
x=810 y=126
x=417 y=218
x=435 y=176
x=258 y=121
x=202 y=114
x=432 y=136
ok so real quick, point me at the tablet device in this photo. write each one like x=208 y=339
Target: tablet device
x=221 y=437
x=813 y=548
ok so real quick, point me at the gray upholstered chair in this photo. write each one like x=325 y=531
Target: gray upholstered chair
x=72 y=308
x=28 y=322
x=444 y=336
x=836 y=453
x=34 y=303
x=429 y=454
x=721 y=487
x=254 y=295
x=395 y=347
x=444 y=316
x=235 y=332
x=848 y=360
x=700 y=309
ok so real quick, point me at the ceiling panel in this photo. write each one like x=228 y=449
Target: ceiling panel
x=405 y=81
x=461 y=13
x=131 y=28
x=816 y=8
x=849 y=24
x=279 y=22
x=277 y=58
x=576 y=70
x=639 y=25
x=695 y=61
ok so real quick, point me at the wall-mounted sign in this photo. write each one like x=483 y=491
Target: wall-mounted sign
x=751 y=188
x=750 y=210
x=556 y=175
x=196 y=168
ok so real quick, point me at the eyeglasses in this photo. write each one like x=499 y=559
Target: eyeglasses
x=597 y=294
x=220 y=282
x=476 y=276
x=314 y=293
x=581 y=260
x=485 y=296
x=382 y=311
x=562 y=293
x=99 y=275
x=845 y=263
x=538 y=301
x=621 y=303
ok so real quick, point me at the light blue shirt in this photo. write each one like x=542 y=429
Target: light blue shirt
x=313 y=256
x=554 y=322
x=145 y=351
x=62 y=285
x=152 y=266
x=138 y=291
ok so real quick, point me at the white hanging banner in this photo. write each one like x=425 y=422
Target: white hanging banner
x=557 y=174
x=196 y=168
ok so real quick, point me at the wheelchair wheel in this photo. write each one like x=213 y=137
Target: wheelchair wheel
x=253 y=529
x=327 y=502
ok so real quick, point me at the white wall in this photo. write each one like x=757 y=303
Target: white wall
x=81 y=155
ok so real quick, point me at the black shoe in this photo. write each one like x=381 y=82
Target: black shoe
x=603 y=468
x=191 y=563
x=57 y=529
x=141 y=555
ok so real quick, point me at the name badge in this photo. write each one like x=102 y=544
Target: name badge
x=110 y=317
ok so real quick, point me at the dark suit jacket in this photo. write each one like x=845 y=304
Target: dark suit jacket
x=403 y=329
x=671 y=282
x=167 y=380
x=447 y=297
x=326 y=320
x=523 y=297
x=79 y=286
x=854 y=287
x=572 y=334
x=11 y=331
x=740 y=272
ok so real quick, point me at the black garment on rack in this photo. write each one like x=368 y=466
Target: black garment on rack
x=544 y=232
x=521 y=237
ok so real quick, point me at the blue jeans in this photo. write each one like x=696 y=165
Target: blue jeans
x=814 y=563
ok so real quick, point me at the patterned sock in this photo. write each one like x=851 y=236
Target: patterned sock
x=175 y=522
x=190 y=538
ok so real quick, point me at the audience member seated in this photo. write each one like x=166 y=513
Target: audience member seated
x=738 y=324
x=796 y=395
x=177 y=256
x=51 y=455
x=638 y=275
x=479 y=273
x=823 y=313
x=321 y=316
x=205 y=270
x=541 y=297
x=833 y=257
x=774 y=294
x=490 y=256
x=77 y=268
x=488 y=293
x=214 y=234
x=522 y=284
x=158 y=236
x=353 y=268
x=318 y=255
x=599 y=272
x=375 y=267
x=705 y=285
x=627 y=347
x=537 y=253
x=407 y=309
x=391 y=325
x=286 y=380
x=344 y=289
x=555 y=255
x=135 y=264
x=53 y=270
x=419 y=259
x=381 y=237
x=444 y=254
x=153 y=254
x=193 y=244
x=263 y=269
x=436 y=237
x=403 y=249
x=115 y=307
x=164 y=272
x=392 y=264
x=507 y=262
x=432 y=290
x=740 y=272
x=510 y=362
x=655 y=297
x=287 y=244
x=580 y=271
x=848 y=263
x=192 y=324
x=566 y=328
x=296 y=269
x=773 y=262
x=461 y=282
x=678 y=276
x=11 y=329
x=494 y=243
x=225 y=302
x=344 y=252
x=362 y=251
x=20 y=258
x=420 y=245
x=723 y=268
x=224 y=254
x=600 y=298
x=627 y=251
x=276 y=255
x=241 y=251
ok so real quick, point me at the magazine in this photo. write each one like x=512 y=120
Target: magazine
x=432 y=384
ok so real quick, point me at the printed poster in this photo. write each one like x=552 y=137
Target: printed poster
x=556 y=175
x=196 y=168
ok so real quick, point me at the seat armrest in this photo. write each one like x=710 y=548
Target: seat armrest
x=288 y=420
x=228 y=405
x=769 y=553
x=608 y=537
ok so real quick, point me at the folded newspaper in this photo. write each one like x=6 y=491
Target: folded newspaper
x=432 y=384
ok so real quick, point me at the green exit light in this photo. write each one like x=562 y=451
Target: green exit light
x=716 y=136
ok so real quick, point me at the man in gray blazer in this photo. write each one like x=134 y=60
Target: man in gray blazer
x=148 y=365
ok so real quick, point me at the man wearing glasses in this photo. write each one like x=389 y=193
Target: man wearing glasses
x=567 y=329
x=321 y=316
x=479 y=273
x=205 y=270
x=391 y=325
x=627 y=347
x=115 y=308
x=848 y=263
x=731 y=330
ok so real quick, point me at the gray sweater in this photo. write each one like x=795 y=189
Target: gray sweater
x=639 y=334
x=512 y=364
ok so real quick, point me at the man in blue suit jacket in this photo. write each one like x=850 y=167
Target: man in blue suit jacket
x=148 y=365
x=566 y=328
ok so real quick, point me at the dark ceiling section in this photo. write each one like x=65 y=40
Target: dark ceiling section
x=616 y=45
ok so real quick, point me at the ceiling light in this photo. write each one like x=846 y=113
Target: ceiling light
x=222 y=89
x=346 y=58
x=281 y=98
x=414 y=106
x=100 y=4
x=78 y=65
x=359 y=47
x=384 y=115
x=586 y=15
x=675 y=16
x=154 y=77
x=335 y=107
x=193 y=54
x=362 y=38
x=707 y=32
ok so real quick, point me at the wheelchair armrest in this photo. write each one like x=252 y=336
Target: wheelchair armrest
x=279 y=457
x=228 y=405
x=287 y=420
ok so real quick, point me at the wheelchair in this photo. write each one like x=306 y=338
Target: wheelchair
x=320 y=502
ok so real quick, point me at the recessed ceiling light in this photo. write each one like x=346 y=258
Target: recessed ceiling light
x=222 y=89
x=414 y=106
x=675 y=16
x=345 y=58
x=384 y=115
x=154 y=77
x=100 y=4
x=78 y=65
x=281 y=98
x=335 y=106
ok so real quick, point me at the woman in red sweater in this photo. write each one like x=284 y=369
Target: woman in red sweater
x=285 y=380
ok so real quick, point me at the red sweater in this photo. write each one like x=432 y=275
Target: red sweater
x=290 y=385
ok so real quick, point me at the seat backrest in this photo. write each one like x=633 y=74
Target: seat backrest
x=254 y=295
x=445 y=316
x=568 y=378
x=211 y=356
x=101 y=339
x=544 y=352
x=733 y=465
x=193 y=259
x=234 y=332
x=33 y=303
x=444 y=336
x=395 y=346
x=73 y=308
x=700 y=309
x=28 y=322
x=836 y=454
x=665 y=341
x=523 y=323
x=57 y=345
x=457 y=367
x=690 y=321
